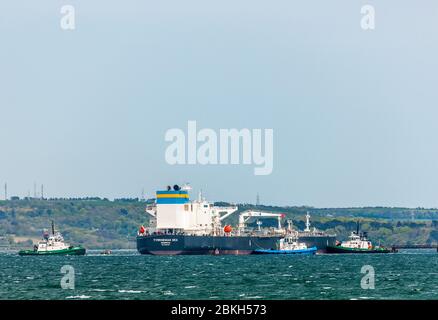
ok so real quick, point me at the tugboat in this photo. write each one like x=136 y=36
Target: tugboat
x=53 y=245
x=357 y=243
x=289 y=245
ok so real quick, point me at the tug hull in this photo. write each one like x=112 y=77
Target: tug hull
x=76 y=251
x=308 y=251
x=339 y=249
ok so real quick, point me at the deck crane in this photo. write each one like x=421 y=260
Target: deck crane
x=246 y=215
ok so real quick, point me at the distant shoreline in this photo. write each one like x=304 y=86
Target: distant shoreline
x=99 y=223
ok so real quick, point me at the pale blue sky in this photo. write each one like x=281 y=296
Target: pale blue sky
x=354 y=112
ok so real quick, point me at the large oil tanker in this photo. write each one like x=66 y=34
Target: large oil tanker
x=180 y=226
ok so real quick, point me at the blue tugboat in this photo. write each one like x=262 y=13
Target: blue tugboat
x=288 y=245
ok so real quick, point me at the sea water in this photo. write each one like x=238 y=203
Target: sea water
x=409 y=274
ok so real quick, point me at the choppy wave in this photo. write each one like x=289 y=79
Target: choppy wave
x=132 y=276
x=130 y=291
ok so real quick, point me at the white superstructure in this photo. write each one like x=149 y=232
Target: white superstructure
x=173 y=212
x=52 y=242
x=357 y=241
x=290 y=242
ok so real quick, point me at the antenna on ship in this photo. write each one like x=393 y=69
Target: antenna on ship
x=186 y=187
x=289 y=225
x=259 y=223
x=53 y=227
x=307 y=222
x=42 y=192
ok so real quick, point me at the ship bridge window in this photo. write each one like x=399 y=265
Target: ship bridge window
x=205 y=205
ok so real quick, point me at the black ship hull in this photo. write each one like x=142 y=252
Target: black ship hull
x=161 y=244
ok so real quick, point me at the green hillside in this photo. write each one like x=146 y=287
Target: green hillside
x=95 y=223
x=100 y=223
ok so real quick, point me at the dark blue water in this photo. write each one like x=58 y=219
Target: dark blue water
x=410 y=274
